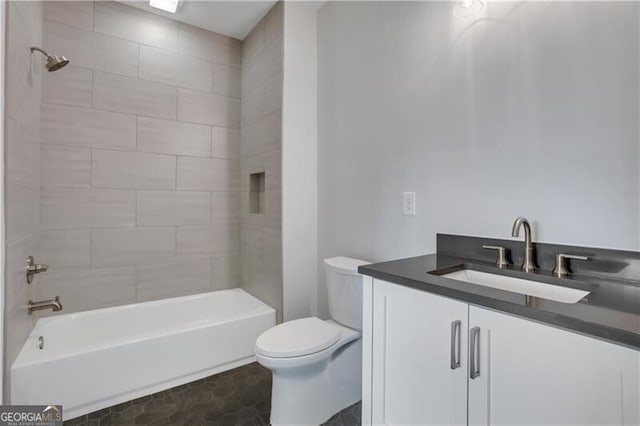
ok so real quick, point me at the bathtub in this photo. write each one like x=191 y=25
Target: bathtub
x=94 y=359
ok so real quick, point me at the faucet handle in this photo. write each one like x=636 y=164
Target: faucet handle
x=33 y=268
x=561 y=270
x=501 y=261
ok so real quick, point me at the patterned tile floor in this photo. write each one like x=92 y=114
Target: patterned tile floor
x=237 y=397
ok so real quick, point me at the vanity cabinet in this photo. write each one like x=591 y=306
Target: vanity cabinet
x=512 y=371
x=416 y=336
x=534 y=373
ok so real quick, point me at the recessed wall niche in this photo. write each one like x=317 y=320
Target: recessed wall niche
x=256 y=192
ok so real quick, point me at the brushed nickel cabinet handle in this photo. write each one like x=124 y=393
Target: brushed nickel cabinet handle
x=455 y=344
x=474 y=353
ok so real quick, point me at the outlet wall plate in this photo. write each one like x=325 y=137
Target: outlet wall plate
x=409 y=203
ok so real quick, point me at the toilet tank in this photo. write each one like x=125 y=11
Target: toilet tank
x=344 y=286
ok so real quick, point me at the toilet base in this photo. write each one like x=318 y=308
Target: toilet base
x=312 y=394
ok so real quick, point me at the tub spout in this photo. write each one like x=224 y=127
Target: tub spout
x=54 y=305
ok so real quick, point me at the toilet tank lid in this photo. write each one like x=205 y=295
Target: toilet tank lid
x=345 y=265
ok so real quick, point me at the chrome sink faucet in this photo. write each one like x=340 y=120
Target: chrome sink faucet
x=528 y=262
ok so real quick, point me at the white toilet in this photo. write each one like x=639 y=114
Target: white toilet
x=317 y=365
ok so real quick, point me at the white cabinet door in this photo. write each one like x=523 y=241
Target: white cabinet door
x=534 y=374
x=413 y=382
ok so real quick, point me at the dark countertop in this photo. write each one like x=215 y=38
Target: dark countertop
x=611 y=312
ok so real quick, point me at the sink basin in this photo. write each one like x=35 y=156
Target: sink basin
x=518 y=285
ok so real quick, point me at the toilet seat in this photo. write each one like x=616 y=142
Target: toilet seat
x=297 y=338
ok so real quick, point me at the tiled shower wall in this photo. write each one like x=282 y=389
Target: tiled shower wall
x=261 y=240
x=22 y=152
x=140 y=151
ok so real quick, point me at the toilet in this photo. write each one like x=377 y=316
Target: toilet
x=317 y=365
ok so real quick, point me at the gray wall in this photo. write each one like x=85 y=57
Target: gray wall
x=139 y=158
x=530 y=109
x=22 y=152
x=261 y=244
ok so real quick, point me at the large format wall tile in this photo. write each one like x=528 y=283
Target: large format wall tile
x=173 y=137
x=89 y=288
x=22 y=211
x=32 y=14
x=225 y=143
x=225 y=271
x=74 y=86
x=159 y=281
x=129 y=95
x=208 y=174
x=65 y=208
x=207 y=241
x=88 y=49
x=137 y=246
x=19 y=323
x=227 y=80
x=133 y=170
x=263 y=66
x=210 y=46
x=253 y=104
x=67 y=249
x=129 y=23
x=140 y=154
x=173 y=208
x=21 y=155
x=65 y=125
x=177 y=70
x=260 y=151
x=75 y=13
x=253 y=43
x=23 y=72
x=23 y=97
x=262 y=136
x=65 y=166
x=206 y=108
x=225 y=207
x=274 y=23
x=273 y=94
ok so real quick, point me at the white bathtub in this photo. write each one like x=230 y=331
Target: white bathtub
x=94 y=359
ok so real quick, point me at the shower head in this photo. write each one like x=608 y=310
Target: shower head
x=54 y=63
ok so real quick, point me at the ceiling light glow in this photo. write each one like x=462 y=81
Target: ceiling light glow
x=468 y=8
x=166 y=5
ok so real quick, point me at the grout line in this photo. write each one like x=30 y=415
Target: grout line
x=91 y=167
x=175 y=242
x=115 y=149
x=93 y=88
x=175 y=182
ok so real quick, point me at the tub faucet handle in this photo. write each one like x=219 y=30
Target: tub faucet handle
x=34 y=268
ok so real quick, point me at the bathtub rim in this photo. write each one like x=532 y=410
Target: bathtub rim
x=18 y=363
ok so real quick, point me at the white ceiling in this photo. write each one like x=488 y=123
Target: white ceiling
x=233 y=18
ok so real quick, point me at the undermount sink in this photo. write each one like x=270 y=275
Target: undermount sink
x=518 y=285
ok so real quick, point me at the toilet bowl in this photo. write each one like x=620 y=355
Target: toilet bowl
x=317 y=365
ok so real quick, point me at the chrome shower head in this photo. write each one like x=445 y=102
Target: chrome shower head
x=54 y=63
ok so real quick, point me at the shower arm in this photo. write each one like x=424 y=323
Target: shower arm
x=39 y=50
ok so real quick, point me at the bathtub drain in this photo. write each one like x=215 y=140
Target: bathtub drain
x=41 y=342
